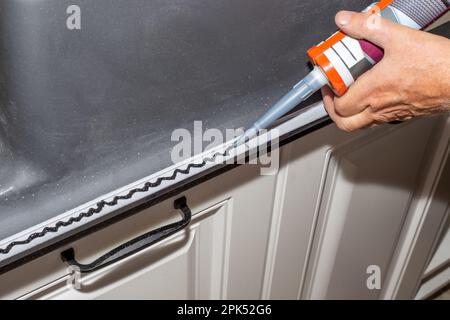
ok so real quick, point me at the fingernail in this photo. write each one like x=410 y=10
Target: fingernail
x=343 y=18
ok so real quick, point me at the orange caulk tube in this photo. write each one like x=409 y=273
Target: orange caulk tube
x=340 y=60
x=339 y=53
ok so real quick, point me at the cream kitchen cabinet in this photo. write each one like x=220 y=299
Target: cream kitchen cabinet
x=340 y=204
x=345 y=205
x=221 y=255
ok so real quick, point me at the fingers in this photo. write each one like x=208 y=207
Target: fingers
x=367 y=26
x=328 y=98
x=376 y=89
x=355 y=99
x=358 y=121
x=360 y=106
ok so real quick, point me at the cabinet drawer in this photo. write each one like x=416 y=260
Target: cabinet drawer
x=166 y=270
x=202 y=261
x=51 y=269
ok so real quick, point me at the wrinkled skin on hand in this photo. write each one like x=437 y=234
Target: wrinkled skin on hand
x=412 y=80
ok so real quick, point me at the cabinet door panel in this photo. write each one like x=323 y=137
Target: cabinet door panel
x=367 y=192
x=298 y=187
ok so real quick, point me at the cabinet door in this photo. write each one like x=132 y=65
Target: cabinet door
x=367 y=192
x=220 y=256
x=341 y=203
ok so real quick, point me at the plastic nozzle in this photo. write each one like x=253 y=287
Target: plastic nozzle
x=302 y=91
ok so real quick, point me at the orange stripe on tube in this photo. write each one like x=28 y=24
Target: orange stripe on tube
x=384 y=3
x=327 y=44
x=319 y=58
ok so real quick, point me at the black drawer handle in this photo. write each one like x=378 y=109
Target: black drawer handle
x=133 y=246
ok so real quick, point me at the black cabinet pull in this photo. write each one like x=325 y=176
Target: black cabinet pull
x=133 y=246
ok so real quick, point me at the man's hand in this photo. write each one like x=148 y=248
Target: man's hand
x=413 y=79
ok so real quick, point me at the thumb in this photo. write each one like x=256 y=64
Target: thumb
x=368 y=26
